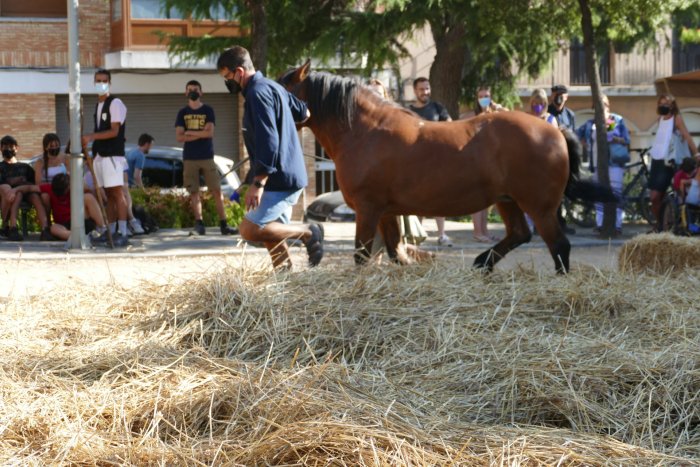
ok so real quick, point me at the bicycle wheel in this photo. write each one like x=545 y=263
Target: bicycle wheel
x=637 y=203
x=644 y=207
x=580 y=213
x=669 y=215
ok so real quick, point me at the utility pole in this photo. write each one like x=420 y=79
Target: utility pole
x=78 y=239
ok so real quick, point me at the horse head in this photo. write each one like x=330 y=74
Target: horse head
x=293 y=78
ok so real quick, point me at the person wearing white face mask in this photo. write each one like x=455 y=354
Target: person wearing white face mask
x=564 y=115
x=484 y=105
x=109 y=155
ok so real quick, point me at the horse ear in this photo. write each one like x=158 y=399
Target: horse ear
x=303 y=71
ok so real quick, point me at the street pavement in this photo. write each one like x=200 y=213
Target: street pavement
x=339 y=237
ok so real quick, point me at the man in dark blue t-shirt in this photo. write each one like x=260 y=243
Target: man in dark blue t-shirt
x=277 y=163
x=432 y=111
x=194 y=127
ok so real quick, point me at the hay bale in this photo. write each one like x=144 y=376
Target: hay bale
x=425 y=365
x=659 y=253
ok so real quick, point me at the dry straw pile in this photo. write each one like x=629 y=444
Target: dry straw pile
x=342 y=366
x=660 y=253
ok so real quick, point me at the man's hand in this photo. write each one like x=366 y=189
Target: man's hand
x=252 y=197
x=85 y=139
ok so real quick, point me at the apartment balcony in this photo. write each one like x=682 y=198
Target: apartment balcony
x=136 y=27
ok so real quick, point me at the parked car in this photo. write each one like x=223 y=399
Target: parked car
x=330 y=207
x=164 y=169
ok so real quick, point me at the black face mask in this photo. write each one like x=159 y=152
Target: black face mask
x=233 y=86
x=558 y=99
x=664 y=109
x=8 y=153
x=53 y=151
x=193 y=95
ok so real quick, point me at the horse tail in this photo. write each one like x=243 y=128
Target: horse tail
x=577 y=189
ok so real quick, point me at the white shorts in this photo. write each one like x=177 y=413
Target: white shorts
x=109 y=171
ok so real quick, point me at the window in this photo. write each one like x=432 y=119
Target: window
x=152 y=9
x=116 y=10
x=579 y=75
x=686 y=57
x=34 y=8
x=159 y=172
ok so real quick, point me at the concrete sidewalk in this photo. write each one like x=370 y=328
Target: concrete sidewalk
x=339 y=237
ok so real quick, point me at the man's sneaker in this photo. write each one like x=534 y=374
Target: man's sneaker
x=97 y=238
x=119 y=240
x=13 y=235
x=314 y=246
x=3 y=232
x=198 y=229
x=135 y=227
x=227 y=230
x=444 y=240
x=46 y=235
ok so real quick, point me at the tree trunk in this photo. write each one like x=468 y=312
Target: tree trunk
x=446 y=70
x=608 y=227
x=258 y=48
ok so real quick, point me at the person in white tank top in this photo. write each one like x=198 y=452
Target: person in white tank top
x=661 y=174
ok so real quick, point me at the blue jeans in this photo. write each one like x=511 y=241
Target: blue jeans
x=274 y=206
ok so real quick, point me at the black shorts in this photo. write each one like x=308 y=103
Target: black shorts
x=660 y=175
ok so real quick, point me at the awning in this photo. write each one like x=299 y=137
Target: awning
x=681 y=85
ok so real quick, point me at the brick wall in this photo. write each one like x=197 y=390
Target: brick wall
x=29 y=44
x=28 y=117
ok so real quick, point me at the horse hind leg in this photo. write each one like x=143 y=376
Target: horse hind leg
x=391 y=233
x=517 y=233
x=559 y=246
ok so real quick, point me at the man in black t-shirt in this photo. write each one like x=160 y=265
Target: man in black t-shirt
x=16 y=184
x=434 y=112
x=194 y=126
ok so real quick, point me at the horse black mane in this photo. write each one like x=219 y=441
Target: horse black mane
x=331 y=95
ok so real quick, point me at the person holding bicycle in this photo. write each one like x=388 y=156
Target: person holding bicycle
x=662 y=169
x=618 y=141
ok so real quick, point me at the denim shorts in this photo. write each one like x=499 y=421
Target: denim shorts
x=274 y=206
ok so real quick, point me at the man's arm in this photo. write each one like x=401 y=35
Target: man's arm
x=113 y=132
x=207 y=132
x=182 y=137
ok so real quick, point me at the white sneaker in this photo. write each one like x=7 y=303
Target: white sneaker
x=444 y=240
x=135 y=227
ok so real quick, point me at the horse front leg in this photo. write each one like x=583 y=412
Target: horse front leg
x=366 y=222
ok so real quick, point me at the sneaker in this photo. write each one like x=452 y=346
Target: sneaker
x=13 y=235
x=444 y=240
x=99 y=238
x=135 y=227
x=227 y=230
x=119 y=240
x=3 y=232
x=46 y=235
x=198 y=228
x=314 y=246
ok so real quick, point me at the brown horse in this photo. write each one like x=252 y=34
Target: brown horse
x=389 y=162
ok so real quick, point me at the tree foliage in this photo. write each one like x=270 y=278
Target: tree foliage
x=280 y=31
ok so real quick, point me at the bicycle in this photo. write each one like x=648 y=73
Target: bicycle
x=635 y=200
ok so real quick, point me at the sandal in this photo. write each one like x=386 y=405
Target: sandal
x=483 y=239
x=314 y=247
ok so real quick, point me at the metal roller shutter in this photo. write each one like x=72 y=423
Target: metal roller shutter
x=155 y=115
